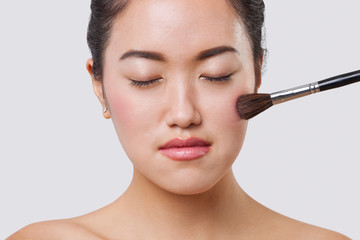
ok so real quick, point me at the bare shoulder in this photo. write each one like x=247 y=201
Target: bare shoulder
x=300 y=231
x=283 y=227
x=54 y=230
x=323 y=234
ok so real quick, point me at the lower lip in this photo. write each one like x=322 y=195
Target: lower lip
x=185 y=153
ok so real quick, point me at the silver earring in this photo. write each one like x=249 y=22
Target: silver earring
x=105 y=109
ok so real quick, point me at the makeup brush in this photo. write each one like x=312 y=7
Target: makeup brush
x=250 y=105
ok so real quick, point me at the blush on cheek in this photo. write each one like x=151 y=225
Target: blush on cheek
x=247 y=87
x=121 y=109
x=221 y=111
x=232 y=105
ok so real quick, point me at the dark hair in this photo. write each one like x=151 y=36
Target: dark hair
x=104 y=12
x=252 y=13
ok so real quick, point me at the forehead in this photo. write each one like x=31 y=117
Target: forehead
x=178 y=27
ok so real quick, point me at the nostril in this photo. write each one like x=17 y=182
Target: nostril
x=185 y=125
x=184 y=118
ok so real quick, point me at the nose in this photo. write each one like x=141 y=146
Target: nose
x=182 y=110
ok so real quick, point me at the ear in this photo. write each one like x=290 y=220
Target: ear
x=258 y=82
x=98 y=88
x=259 y=74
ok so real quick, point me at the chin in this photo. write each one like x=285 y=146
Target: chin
x=190 y=185
x=189 y=190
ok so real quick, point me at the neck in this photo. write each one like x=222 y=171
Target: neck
x=216 y=209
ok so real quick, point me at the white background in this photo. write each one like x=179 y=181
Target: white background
x=59 y=158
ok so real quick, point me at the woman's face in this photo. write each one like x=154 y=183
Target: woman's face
x=173 y=70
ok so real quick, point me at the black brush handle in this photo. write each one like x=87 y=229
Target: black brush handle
x=339 y=81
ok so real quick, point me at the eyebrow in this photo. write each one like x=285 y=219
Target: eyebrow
x=143 y=54
x=214 y=52
x=160 y=57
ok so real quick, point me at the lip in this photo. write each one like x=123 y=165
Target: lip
x=185 y=149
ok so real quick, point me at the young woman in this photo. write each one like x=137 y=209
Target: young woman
x=168 y=74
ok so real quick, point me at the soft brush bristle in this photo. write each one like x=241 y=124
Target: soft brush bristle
x=250 y=105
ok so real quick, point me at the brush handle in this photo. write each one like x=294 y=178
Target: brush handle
x=294 y=93
x=339 y=81
x=304 y=90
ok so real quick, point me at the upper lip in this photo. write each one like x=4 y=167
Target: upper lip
x=181 y=143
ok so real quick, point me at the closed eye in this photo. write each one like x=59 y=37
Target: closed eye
x=144 y=83
x=218 y=79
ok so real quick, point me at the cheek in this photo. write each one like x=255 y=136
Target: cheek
x=127 y=120
x=133 y=117
x=230 y=129
x=125 y=112
x=223 y=119
x=121 y=109
x=221 y=106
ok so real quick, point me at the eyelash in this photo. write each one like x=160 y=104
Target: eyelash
x=153 y=81
x=144 y=83
x=218 y=79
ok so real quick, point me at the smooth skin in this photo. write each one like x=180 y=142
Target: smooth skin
x=189 y=93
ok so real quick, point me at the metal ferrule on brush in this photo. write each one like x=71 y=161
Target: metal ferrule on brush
x=293 y=93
